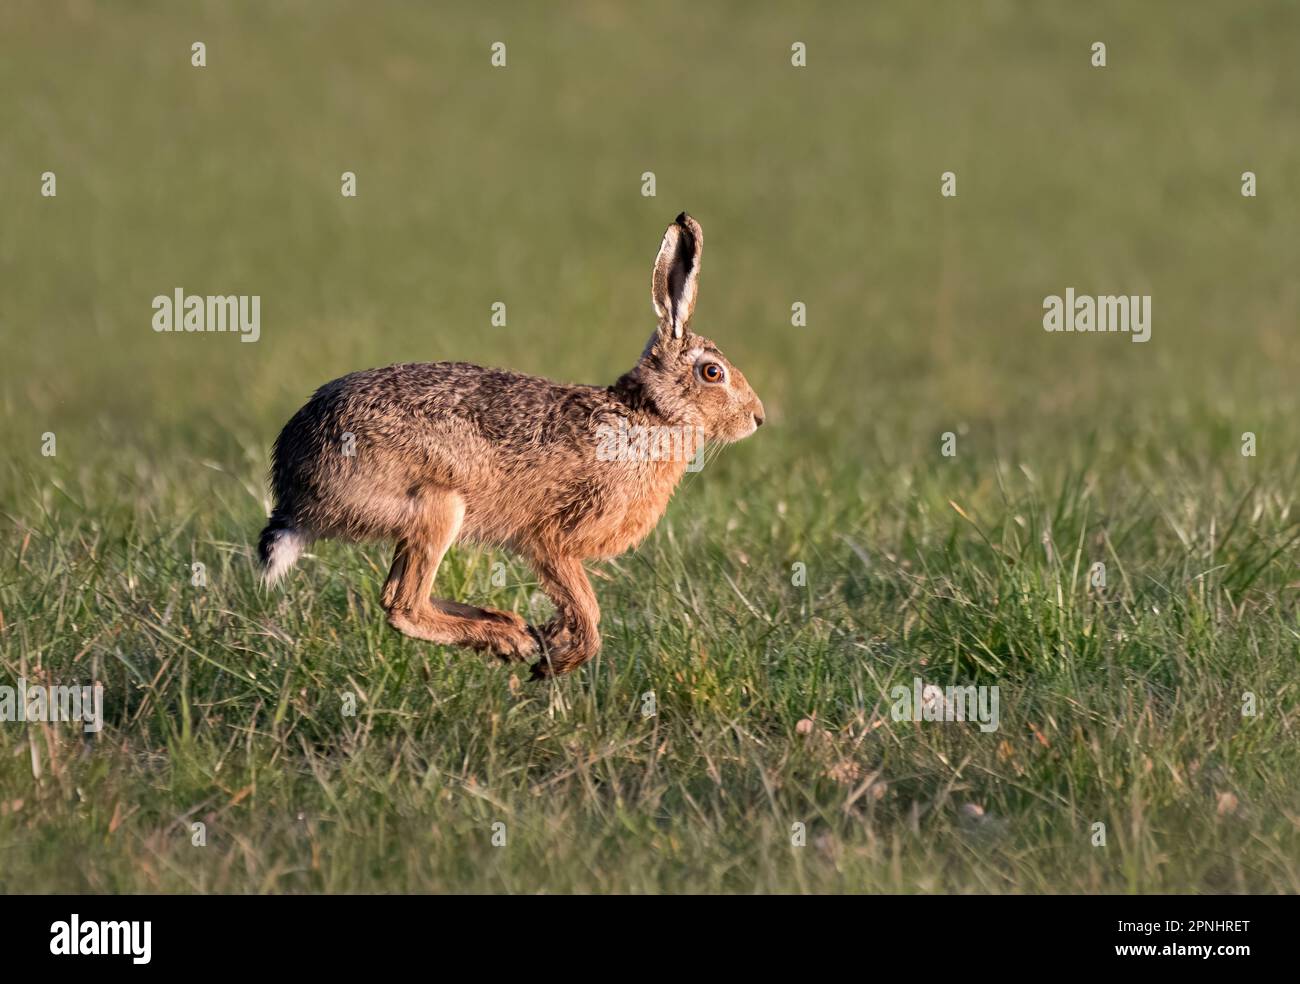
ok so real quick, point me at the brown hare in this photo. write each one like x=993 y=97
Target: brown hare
x=427 y=454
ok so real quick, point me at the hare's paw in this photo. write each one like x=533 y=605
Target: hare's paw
x=556 y=635
x=556 y=661
x=543 y=669
x=557 y=649
x=552 y=664
x=513 y=641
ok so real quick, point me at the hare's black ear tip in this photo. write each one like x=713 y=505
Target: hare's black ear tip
x=682 y=219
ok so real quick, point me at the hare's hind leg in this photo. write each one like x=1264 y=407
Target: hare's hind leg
x=412 y=612
x=573 y=636
x=394 y=578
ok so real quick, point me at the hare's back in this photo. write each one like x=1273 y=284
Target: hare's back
x=373 y=441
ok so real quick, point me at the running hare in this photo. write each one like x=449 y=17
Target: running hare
x=431 y=453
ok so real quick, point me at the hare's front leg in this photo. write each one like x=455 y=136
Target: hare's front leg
x=412 y=612
x=573 y=636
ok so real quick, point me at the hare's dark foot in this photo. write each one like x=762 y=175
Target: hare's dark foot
x=556 y=634
x=556 y=661
x=556 y=643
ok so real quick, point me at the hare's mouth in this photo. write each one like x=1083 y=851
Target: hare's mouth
x=742 y=430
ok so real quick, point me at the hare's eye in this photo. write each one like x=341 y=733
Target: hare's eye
x=711 y=372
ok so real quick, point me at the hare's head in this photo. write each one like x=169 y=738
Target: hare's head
x=686 y=376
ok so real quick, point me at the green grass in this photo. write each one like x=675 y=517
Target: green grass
x=1120 y=705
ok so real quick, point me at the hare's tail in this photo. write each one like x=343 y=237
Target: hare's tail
x=279 y=547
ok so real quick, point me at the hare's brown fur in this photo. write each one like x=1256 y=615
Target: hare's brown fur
x=429 y=454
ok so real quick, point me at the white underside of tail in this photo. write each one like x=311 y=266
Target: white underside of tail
x=286 y=548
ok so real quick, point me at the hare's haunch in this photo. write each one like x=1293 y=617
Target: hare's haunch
x=428 y=454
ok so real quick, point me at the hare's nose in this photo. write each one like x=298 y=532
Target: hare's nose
x=758 y=420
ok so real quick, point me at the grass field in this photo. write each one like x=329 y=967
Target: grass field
x=1120 y=704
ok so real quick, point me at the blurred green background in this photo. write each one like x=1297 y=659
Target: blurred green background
x=523 y=185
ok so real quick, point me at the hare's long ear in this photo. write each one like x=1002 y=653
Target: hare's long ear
x=676 y=276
